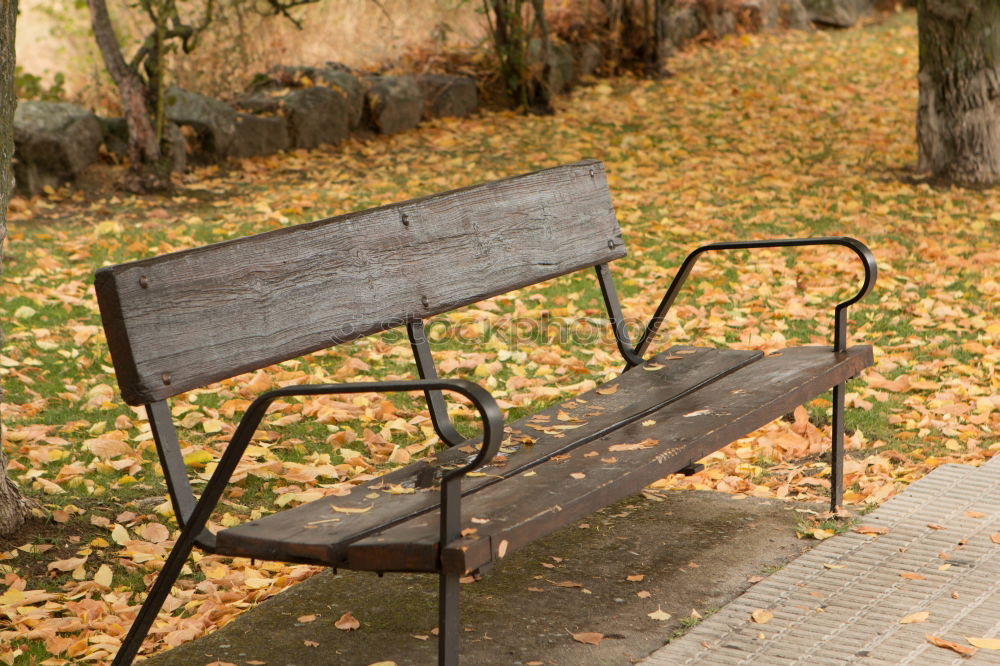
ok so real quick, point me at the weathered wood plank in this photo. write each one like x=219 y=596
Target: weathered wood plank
x=524 y=508
x=186 y=319
x=309 y=533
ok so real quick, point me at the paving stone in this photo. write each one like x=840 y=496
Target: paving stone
x=863 y=597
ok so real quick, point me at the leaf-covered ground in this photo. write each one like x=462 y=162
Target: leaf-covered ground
x=759 y=136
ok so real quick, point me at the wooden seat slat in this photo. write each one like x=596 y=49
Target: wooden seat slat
x=319 y=533
x=524 y=508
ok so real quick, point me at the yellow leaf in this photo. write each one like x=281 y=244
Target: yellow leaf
x=985 y=643
x=212 y=425
x=659 y=615
x=914 y=618
x=352 y=509
x=11 y=597
x=761 y=616
x=120 y=535
x=198 y=458
x=103 y=576
x=24 y=312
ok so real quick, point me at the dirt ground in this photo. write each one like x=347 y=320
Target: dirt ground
x=694 y=551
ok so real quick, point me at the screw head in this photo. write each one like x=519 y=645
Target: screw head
x=611 y=245
x=166 y=378
x=406 y=220
x=591 y=172
x=144 y=282
x=424 y=301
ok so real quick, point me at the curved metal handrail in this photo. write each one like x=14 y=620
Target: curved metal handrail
x=840 y=313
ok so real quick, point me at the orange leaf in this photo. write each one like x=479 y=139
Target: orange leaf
x=347 y=622
x=567 y=583
x=870 y=529
x=912 y=576
x=588 y=637
x=951 y=645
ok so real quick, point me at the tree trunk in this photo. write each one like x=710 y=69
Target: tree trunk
x=150 y=171
x=14 y=508
x=958 y=113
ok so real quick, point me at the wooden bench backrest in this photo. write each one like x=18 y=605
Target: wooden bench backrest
x=186 y=319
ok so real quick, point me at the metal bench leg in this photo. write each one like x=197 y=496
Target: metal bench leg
x=837 y=450
x=154 y=600
x=448 y=620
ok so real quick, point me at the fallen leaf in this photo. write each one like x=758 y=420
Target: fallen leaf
x=347 y=622
x=608 y=390
x=104 y=576
x=502 y=548
x=912 y=576
x=985 y=643
x=635 y=578
x=659 y=615
x=306 y=618
x=644 y=444
x=578 y=475
x=588 y=637
x=995 y=538
x=975 y=514
x=935 y=526
x=914 y=618
x=567 y=583
x=871 y=529
x=352 y=509
x=67 y=564
x=643 y=594
x=310 y=643
x=951 y=645
x=761 y=616
x=120 y=535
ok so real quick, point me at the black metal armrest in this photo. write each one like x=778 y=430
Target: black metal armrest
x=840 y=313
x=487 y=407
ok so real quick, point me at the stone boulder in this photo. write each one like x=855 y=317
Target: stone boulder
x=680 y=27
x=562 y=68
x=588 y=58
x=793 y=15
x=53 y=143
x=764 y=15
x=837 y=13
x=259 y=135
x=393 y=103
x=258 y=103
x=448 y=95
x=213 y=122
x=115 y=136
x=332 y=75
x=114 y=133
x=316 y=115
x=349 y=87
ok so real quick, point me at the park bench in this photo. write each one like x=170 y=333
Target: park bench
x=184 y=320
